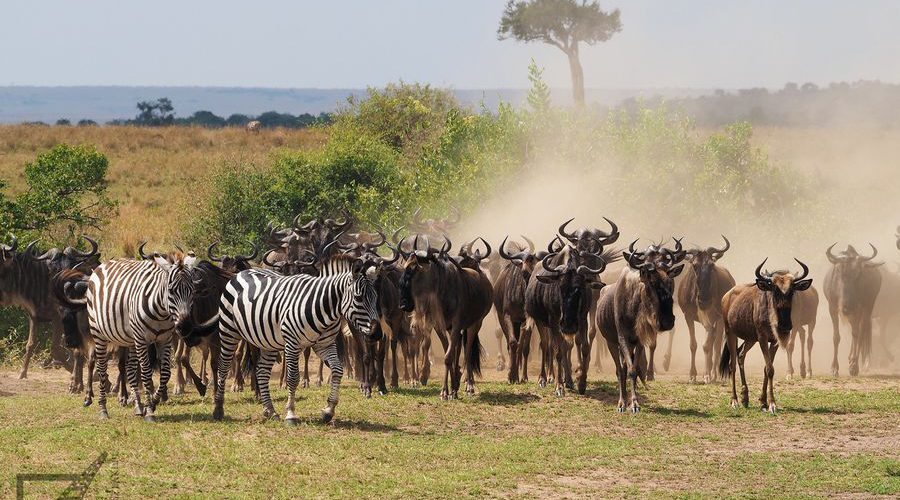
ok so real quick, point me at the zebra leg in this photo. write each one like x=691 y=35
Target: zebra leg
x=306 y=354
x=329 y=356
x=263 y=374
x=100 y=353
x=143 y=356
x=133 y=371
x=92 y=365
x=181 y=351
x=292 y=367
x=165 y=373
x=121 y=387
x=227 y=345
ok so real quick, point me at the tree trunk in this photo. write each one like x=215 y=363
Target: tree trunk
x=577 y=76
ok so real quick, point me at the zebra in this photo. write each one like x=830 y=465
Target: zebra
x=277 y=313
x=136 y=303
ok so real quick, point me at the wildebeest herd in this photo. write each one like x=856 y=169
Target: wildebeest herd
x=369 y=303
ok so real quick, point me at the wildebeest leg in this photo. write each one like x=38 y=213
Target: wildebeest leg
x=836 y=336
x=501 y=358
x=524 y=351
x=567 y=369
x=692 y=334
x=180 y=348
x=731 y=345
x=802 y=333
x=865 y=338
x=450 y=354
x=264 y=365
x=425 y=354
x=630 y=355
x=592 y=331
x=100 y=346
x=185 y=361
x=29 y=346
x=855 y=338
x=395 y=373
x=562 y=352
x=767 y=398
x=583 y=345
x=742 y=355
x=127 y=360
x=718 y=342
x=381 y=348
x=77 y=384
x=204 y=356
x=709 y=350
x=651 y=368
x=667 y=358
x=616 y=353
x=473 y=356
x=789 y=351
x=92 y=363
x=511 y=332
x=545 y=354
x=226 y=349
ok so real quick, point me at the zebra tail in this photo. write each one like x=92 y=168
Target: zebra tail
x=204 y=329
x=343 y=351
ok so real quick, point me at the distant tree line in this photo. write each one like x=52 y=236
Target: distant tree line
x=161 y=113
x=859 y=103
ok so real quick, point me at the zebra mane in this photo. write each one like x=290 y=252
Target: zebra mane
x=337 y=264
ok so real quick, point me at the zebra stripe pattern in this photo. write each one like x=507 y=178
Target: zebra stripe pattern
x=290 y=313
x=135 y=304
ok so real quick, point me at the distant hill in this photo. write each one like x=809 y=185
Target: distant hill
x=48 y=104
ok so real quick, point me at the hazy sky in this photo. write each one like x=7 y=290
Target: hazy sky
x=340 y=44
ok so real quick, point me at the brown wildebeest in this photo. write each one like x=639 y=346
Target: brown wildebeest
x=851 y=287
x=557 y=299
x=699 y=294
x=509 y=303
x=495 y=266
x=759 y=312
x=803 y=313
x=254 y=126
x=633 y=310
x=451 y=300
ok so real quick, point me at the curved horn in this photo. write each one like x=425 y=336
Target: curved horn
x=371 y=245
x=211 y=255
x=395 y=256
x=720 y=252
x=545 y=262
x=550 y=248
x=831 y=257
x=487 y=247
x=530 y=243
x=141 y=251
x=14 y=245
x=254 y=254
x=29 y=249
x=593 y=272
x=266 y=261
x=805 y=270
x=613 y=233
x=335 y=240
x=88 y=255
x=296 y=222
x=759 y=268
x=46 y=255
x=502 y=249
x=346 y=223
x=395 y=235
x=874 y=253
x=562 y=231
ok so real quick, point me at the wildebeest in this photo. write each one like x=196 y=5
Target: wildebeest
x=633 y=310
x=509 y=303
x=558 y=299
x=451 y=300
x=495 y=266
x=803 y=313
x=759 y=312
x=254 y=126
x=699 y=294
x=851 y=287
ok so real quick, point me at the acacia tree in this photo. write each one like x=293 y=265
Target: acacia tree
x=563 y=24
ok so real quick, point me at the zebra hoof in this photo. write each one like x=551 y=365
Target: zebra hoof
x=327 y=416
x=635 y=409
x=218 y=413
x=139 y=412
x=292 y=422
x=88 y=401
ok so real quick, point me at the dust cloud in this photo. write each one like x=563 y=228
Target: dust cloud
x=855 y=172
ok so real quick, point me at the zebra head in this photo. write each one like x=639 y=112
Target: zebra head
x=361 y=304
x=182 y=285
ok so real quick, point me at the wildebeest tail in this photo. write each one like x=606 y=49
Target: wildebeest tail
x=473 y=360
x=865 y=345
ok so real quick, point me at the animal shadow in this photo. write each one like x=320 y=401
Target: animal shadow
x=605 y=392
x=507 y=398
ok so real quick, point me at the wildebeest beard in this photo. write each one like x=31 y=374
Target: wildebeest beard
x=704 y=284
x=571 y=293
x=782 y=304
x=665 y=317
x=406 y=296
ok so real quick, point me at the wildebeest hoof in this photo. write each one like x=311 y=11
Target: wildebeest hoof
x=734 y=404
x=560 y=392
x=304 y=383
x=772 y=408
x=87 y=401
x=501 y=365
x=368 y=393
x=291 y=422
x=542 y=383
x=178 y=390
x=789 y=376
x=706 y=379
x=834 y=371
x=651 y=376
x=854 y=370
x=318 y=383
x=104 y=415
x=327 y=415
x=382 y=392
x=620 y=408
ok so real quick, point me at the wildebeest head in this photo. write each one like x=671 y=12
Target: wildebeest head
x=71 y=258
x=467 y=257
x=574 y=281
x=434 y=227
x=232 y=264
x=850 y=266
x=522 y=257
x=703 y=262
x=417 y=266
x=590 y=239
x=780 y=287
x=658 y=267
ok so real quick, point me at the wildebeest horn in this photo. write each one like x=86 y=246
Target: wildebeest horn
x=634 y=251
x=545 y=261
x=562 y=231
x=530 y=243
x=805 y=269
x=759 y=268
x=636 y=261
x=141 y=251
x=613 y=233
x=296 y=222
x=587 y=270
x=831 y=257
x=720 y=252
x=265 y=259
x=550 y=248
x=252 y=256
x=211 y=255
x=874 y=253
x=13 y=246
x=487 y=247
x=503 y=254
x=371 y=245
x=87 y=255
x=346 y=223
x=29 y=248
x=332 y=242
x=447 y=245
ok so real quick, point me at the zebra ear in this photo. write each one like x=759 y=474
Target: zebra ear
x=162 y=262
x=190 y=261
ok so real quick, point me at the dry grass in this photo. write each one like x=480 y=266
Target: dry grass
x=154 y=173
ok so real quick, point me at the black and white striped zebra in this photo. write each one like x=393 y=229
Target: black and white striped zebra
x=290 y=313
x=137 y=303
